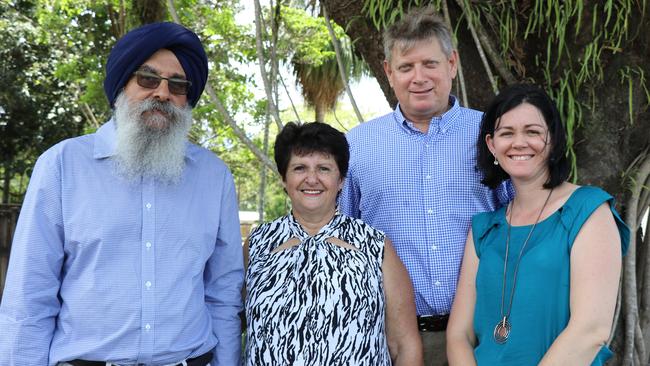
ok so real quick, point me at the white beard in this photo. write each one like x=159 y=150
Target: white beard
x=149 y=144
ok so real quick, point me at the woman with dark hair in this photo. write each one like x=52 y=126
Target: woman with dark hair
x=324 y=288
x=539 y=278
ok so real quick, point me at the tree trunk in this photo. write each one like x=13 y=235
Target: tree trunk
x=149 y=11
x=6 y=186
x=263 y=173
x=610 y=109
x=368 y=42
x=606 y=142
x=268 y=84
x=319 y=113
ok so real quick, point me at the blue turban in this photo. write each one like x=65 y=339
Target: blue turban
x=132 y=50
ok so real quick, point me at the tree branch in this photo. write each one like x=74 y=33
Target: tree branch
x=497 y=61
x=293 y=106
x=481 y=53
x=339 y=61
x=260 y=56
x=639 y=344
x=461 y=76
x=275 y=64
x=645 y=292
x=89 y=114
x=224 y=113
x=238 y=131
x=172 y=11
x=629 y=272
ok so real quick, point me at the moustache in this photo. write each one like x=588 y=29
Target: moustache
x=150 y=105
x=157 y=112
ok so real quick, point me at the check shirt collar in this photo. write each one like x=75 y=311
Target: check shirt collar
x=439 y=124
x=105 y=141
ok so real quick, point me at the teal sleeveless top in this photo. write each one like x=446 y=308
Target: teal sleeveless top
x=540 y=308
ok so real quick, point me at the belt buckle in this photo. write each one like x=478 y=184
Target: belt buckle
x=432 y=323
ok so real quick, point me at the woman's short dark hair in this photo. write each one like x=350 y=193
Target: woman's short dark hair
x=313 y=137
x=508 y=99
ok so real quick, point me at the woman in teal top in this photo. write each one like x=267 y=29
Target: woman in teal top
x=540 y=277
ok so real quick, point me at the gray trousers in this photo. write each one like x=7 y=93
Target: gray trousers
x=434 y=346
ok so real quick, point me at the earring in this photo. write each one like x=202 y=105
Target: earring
x=496 y=162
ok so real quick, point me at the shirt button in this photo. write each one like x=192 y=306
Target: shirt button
x=148 y=245
x=148 y=205
x=147 y=327
x=148 y=284
x=429 y=211
x=434 y=247
x=428 y=177
x=437 y=283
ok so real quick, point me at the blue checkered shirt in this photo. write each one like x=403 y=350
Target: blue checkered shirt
x=421 y=190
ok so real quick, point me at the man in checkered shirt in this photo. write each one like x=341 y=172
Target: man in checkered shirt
x=412 y=172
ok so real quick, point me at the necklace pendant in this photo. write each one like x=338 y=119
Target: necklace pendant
x=502 y=331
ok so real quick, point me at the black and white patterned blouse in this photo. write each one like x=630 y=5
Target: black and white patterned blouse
x=318 y=302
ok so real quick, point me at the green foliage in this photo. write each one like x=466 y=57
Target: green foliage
x=28 y=74
x=305 y=38
x=307 y=45
x=229 y=47
x=58 y=72
x=565 y=71
x=383 y=13
x=599 y=29
x=82 y=33
x=628 y=75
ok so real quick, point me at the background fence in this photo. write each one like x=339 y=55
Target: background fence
x=8 y=218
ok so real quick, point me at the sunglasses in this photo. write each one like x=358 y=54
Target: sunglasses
x=150 y=80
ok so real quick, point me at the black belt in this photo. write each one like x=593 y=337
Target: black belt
x=202 y=360
x=433 y=323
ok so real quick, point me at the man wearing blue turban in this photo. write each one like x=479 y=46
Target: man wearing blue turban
x=127 y=249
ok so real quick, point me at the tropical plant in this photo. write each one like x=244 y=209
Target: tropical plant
x=592 y=58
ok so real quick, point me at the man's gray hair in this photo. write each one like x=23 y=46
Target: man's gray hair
x=419 y=24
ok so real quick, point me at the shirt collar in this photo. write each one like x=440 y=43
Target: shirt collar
x=105 y=143
x=441 y=123
x=105 y=140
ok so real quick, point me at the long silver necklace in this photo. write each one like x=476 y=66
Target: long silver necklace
x=502 y=329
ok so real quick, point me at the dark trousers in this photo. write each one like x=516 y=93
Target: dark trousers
x=434 y=345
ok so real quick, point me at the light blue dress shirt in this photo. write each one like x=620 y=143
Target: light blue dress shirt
x=421 y=190
x=109 y=270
